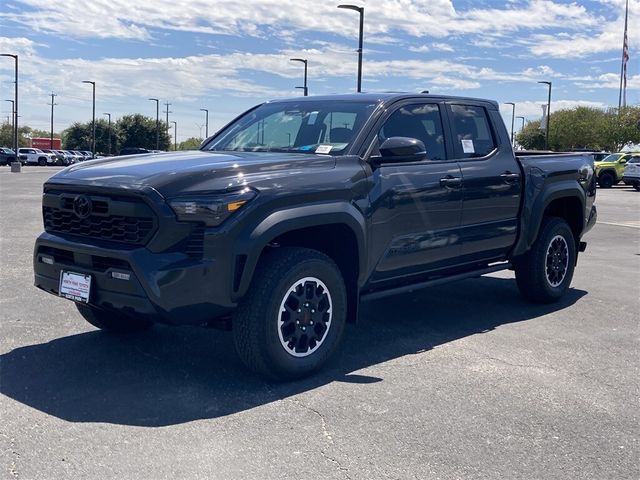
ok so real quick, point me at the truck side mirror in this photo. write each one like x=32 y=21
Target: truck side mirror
x=401 y=149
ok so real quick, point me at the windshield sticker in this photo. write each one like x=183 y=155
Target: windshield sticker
x=323 y=148
x=467 y=146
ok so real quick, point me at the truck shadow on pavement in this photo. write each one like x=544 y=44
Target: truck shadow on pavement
x=174 y=375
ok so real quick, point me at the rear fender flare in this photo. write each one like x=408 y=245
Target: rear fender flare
x=534 y=208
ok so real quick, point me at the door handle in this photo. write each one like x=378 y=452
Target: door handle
x=451 y=182
x=509 y=177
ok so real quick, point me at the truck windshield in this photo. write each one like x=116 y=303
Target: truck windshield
x=323 y=127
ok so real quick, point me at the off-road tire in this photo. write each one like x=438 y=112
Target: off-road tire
x=112 y=322
x=606 y=180
x=265 y=317
x=544 y=274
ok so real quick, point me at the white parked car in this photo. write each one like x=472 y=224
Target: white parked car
x=631 y=175
x=35 y=156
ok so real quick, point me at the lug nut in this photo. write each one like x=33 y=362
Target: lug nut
x=304 y=329
x=310 y=322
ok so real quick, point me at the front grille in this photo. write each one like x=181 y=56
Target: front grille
x=121 y=220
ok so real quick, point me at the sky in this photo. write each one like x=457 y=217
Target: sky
x=228 y=55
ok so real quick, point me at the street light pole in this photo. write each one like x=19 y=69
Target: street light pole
x=157 y=121
x=546 y=137
x=360 y=10
x=15 y=105
x=206 y=129
x=175 y=135
x=302 y=60
x=93 y=121
x=513 y=117
x=109 y=130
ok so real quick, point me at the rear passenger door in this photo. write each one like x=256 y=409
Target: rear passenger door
x=491 y=181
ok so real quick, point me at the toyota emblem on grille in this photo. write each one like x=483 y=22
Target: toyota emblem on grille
x=82 y=206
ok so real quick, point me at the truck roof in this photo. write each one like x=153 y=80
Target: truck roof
x=386 y=97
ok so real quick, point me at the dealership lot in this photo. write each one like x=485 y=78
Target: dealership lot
x=460 y=381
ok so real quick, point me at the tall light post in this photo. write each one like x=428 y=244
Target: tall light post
x=93 y=121
x=206 y=129
x=546 y=136
x=175 y=135
x=157 y=100
x=109 y=130
x=360 y=10
x=513 y=118
x=15 y=100
x=302 y=60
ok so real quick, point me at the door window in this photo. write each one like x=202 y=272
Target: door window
x=472 y=131
x=420 y=121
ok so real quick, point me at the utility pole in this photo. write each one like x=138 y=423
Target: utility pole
x=53 y=96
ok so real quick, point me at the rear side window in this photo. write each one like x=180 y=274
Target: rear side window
x=472 y=132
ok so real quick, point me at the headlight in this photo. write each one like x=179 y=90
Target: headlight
x=212 y=210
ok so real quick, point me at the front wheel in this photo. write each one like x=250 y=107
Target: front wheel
x=545 y=272
x=42 y=162
x=637 y=186
x=606 y=180
x=112 y=321
x=292 y=318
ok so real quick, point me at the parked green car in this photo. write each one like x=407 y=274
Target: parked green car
x=611 y=169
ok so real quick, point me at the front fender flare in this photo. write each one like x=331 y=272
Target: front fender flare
x=254 y=240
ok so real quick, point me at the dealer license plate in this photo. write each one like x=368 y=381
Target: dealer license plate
x=75 y=286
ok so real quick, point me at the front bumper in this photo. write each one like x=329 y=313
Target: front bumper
x=163 y=287
x=628 y=180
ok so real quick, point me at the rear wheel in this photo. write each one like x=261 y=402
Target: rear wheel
x=292 y=318
x=545 y=272
x=637 y=186
x=606 y=180
x=113 y=322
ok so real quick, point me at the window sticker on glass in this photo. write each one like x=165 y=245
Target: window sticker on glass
x=323 y=148
x=313 y=116
x=467 y=146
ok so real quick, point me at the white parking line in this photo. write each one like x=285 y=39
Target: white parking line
x=630 y=224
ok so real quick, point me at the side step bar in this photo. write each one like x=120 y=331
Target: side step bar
x=365 y=297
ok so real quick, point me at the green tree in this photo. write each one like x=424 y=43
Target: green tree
x=190 y=144
x=531 y=137
x=77 y=136
x=139 y=131
x=585 y=128
x=6 y=135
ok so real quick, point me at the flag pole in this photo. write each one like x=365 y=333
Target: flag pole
x=622 y=97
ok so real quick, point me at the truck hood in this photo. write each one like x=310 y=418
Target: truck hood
x=191 y=171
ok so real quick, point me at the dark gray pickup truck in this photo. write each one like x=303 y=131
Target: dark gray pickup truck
x=298 y=210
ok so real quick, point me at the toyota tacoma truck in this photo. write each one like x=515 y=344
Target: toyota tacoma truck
x=298 y=210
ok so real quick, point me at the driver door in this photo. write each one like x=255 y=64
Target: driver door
x=415 y=207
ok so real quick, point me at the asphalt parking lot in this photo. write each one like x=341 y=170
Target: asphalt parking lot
x=463 y=381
